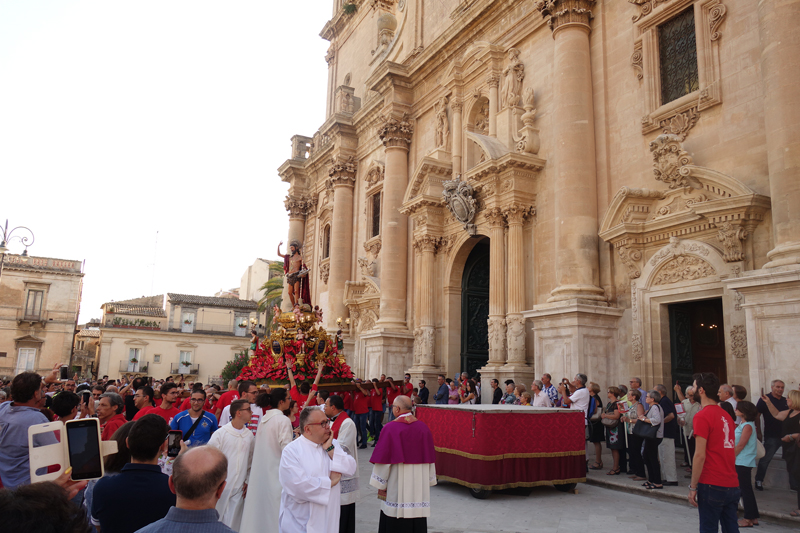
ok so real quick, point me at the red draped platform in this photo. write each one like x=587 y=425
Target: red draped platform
x=495 y=447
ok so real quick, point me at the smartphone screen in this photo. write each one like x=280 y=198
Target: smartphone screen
x=174 y=443
x=86 y=396
x=83 y=438
x=64 y=373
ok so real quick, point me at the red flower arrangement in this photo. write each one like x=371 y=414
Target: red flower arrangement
x=262 y=366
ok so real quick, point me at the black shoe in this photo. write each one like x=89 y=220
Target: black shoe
x=759 y=485
x=362 y=447
x=670 y=483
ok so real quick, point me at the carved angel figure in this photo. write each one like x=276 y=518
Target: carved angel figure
x=513 y=75
x=442 y=127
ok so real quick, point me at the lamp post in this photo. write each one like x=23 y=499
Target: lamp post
x=8 y=235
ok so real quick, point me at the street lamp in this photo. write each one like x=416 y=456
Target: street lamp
x=8 y=236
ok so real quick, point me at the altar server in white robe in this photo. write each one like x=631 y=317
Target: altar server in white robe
x=311 y=468
x=344 y=431
x=236 y=441
x=263 y=502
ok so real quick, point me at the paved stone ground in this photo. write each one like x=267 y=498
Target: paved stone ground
x=594 y=509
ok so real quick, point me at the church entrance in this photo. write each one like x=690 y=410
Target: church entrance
x=475 y=310
x=697 y=340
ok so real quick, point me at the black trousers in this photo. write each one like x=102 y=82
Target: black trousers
x=347 y=519
x=651 y=460
x=635 y=455
x=387 y=524
x=748 y=496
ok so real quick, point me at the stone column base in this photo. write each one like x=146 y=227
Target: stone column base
x=572 y=337
x=429 y=374
x=389 y=353
x=769 y=339
x=488 y=373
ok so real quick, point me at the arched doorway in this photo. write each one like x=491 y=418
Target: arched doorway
x=475 y=309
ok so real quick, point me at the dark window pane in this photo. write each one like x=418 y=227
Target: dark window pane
x=33 y=308
x=677 y=47
x=326 y=242
x=376 y=214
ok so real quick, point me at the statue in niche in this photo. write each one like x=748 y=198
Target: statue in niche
x=442 y=128
x=482 y=119
x=513 y=75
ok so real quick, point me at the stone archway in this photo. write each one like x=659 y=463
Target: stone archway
x=475 y=310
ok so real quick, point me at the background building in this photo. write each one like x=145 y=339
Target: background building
x=173 y=334
x=40 y=299
x=632 y=201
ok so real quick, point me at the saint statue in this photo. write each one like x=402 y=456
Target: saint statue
x=513 y=75
x=296 y=273
x=442 y=128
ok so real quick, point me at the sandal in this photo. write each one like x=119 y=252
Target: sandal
x=744 y=522
x=613 y=472
x=795 y=513
x=654 y=487
x=596 y=466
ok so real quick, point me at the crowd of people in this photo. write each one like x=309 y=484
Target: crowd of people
x=251 y=459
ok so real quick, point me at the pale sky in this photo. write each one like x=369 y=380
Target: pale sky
x=122 y=119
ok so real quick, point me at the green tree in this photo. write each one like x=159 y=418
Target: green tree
x=234 y=367
x=273 y=291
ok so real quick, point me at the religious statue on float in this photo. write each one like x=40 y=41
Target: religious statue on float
x=296 y=274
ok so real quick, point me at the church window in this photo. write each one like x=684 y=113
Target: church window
x=326 y=241
x=374 y=209
x=677 y=46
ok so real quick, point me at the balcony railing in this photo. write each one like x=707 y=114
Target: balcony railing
x=129 y=367
x=31 y=318
x=180 y=368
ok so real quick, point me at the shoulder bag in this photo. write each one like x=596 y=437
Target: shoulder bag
x=646 y=431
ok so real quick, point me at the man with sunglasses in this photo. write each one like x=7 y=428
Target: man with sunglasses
x=310 y=471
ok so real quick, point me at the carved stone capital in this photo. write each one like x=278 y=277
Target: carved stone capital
x=493 y=80
x=426 y=243
x=456 y=104
x=732 y=238
x=396 y=133
x=561 y=12
x=517 y=213
x=343 y=171
x=373 y=247
x=495 y=217
x=300 y=206
x=331 y=55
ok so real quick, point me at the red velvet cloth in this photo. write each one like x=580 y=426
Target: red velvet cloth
x=474 y=457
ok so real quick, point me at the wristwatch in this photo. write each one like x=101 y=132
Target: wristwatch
x=329 y=448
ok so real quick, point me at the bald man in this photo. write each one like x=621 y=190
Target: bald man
x=404 y=457
x=198 y=479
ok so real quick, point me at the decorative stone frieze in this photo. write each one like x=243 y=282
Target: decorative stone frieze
x=670 y=160
x=731 y=238
x=683 y=268
x=678 y=249
x=560 y=12
x=636 y=346
x=375 y=174
x=343 y=171
x=630 y=257
x=739 y=341
x=396 y=133
x=324 y=271
x=300 y=206
x=497 y=339
x=515 y=337
x=636 y=60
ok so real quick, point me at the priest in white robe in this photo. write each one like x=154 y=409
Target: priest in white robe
x=344 y=431
x=311 y=468
x=237 y=442
x=404 y=471
x=263 y=502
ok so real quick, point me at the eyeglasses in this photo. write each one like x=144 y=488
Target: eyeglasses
x=197 y=399
x=323 y=424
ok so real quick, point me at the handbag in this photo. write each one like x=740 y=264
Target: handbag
x=760 y=451
x=610 y=423
x=646 y=431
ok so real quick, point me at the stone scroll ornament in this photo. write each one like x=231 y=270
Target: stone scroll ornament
x=459 y=197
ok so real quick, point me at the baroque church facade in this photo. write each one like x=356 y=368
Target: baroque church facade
x=514 y=187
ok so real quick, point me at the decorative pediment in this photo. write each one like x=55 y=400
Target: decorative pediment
x=186 y=345
x=427 y=184
x=683 y=260
x=28 y=339
x=137 y=342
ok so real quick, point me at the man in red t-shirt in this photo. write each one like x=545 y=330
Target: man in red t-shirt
x=306 y=390
x=408 y=387
x=714 y=488
x=361 y=399
x=376 y=411
x=227 y=397
x=167 y=409
x=109 y=412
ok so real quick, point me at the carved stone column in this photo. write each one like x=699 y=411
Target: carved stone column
x=330 y=58
x=780 y=74
x=577 y=261
x=424 y=334
x=494 y=84
x=342 y=175
x=515 y=322
x=396 y=137
x=497 y=288
x=456 y=106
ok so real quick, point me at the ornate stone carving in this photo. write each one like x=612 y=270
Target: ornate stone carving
x=456 y=104
x=300 y=206
x=446 y=243
x=367 y=267
x=324 y=272
x=442 y=127
x=737 y=298
x=373 y=246
x=646 y=7
x=631 y=257
x=513 y=75
x=493 y=80
x=636 y=346
x=731 y=238
x=715 y=17
x=634 y=302
x=681 y=123
x=515 y=336
x=495 y=216
x=424 y=343
x=331 y=55
x=460 y=199
x=343 y=171
x=670 y=160
x=482 y=119
x=497 y=339
x=676 y=249
x=528 y=141
x=375 y=174
x=739 y=342
x=637 y=60
x=394 y=132
x=426 y=243
x=517 y=213
x=559 y=12
x=683 y=268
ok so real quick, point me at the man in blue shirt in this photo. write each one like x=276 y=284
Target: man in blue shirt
x=139 y=495
x=423 y=392
x=441 y=395
x=204 y=423
x=16 y=417
x=198 y=479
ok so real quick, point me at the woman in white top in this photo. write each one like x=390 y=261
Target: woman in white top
x=653 y=417
x=470 y=395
